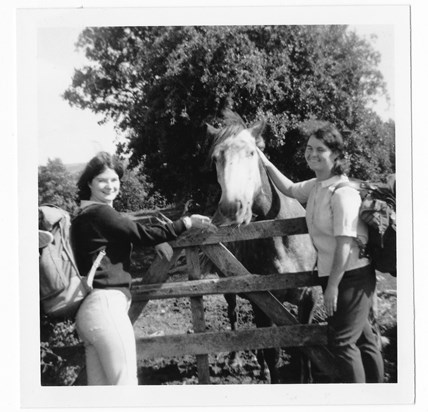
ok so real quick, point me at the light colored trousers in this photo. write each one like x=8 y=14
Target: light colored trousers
x=103 y=324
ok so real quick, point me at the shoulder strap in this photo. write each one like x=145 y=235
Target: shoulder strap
x=355 y=184
x=80 y=211
x=95 y=265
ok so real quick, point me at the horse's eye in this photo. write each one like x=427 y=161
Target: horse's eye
x=252 y=153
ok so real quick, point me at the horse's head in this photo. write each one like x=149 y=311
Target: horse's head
x=237 y=163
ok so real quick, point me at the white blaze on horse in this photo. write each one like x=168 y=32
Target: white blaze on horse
x=237 y=166
x=248 y=194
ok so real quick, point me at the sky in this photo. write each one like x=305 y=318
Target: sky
x=75 y=135
x=383 y=42
x=72 y=134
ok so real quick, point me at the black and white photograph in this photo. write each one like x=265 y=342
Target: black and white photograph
x=224 y=206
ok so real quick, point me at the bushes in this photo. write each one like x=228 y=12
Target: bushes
x=57 y=185
x=55 y=369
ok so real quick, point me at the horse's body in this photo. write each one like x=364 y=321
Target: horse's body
x=247 y=194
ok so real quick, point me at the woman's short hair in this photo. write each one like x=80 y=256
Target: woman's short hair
x=97 y=165
x=331 y=137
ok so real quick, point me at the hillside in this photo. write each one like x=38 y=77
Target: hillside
x=75 y=168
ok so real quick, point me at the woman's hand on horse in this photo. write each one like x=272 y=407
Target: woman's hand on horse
x=202 y=222
x=263 y=157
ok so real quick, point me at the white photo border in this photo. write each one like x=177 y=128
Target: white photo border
x=32 y=393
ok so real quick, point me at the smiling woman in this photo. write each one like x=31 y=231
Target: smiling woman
x=102 y=320
x=319 y=157
x=105 y=187
x=347 y=276
x=100 y=180
x=324 y=152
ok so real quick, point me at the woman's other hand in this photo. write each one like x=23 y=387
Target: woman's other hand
x=330 y=299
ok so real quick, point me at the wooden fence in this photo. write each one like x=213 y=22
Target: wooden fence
x=234 y=278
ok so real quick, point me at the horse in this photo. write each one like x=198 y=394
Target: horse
x=248 y=194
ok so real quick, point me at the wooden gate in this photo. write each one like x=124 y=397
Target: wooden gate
x=234 y=278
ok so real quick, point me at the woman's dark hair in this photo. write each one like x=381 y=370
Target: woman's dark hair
x=331 y=137
x=97 y=165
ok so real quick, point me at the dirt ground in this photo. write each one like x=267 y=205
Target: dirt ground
x=173 y=316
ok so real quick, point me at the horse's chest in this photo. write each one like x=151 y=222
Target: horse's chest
x=282 y=260
x=265 y=256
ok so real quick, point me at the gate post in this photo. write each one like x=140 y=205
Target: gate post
x=198 y=317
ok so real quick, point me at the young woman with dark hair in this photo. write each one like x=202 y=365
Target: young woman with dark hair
x=347 y=277
x=102 y=320
x=98 y=164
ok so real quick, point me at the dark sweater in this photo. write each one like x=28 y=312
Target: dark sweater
x=98 y=227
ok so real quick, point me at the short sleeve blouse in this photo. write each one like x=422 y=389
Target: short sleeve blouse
x=330 y=214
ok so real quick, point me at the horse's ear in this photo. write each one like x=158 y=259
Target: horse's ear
x=260 y=143
x=207 y=143
x=211 y=130
x=257 y=128
x=256 y=131
x=210 y=133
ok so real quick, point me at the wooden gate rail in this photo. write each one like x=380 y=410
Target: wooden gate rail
x=237 y=284
x=230 y=341
x=221 y=341
x=255 y=230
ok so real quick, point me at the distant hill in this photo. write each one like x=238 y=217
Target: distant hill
x=75 y=168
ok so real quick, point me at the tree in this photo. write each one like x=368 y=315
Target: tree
x=371 y=147
x=57 y=186
x=136 y=193
x=162 y=84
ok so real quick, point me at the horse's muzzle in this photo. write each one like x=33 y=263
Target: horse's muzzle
x=236 y=212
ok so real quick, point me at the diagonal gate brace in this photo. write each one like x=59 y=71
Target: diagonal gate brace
x=229 y=266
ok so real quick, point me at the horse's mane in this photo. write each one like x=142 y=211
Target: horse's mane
x=233 y=124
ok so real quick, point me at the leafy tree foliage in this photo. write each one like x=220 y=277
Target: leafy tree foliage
x=136 y=193
x=56 y=185
x=161 y=85
x=371 y=148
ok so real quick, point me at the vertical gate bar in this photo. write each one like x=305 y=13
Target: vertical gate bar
x=198 y=317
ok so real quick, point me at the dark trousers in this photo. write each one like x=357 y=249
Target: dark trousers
x=351 y=337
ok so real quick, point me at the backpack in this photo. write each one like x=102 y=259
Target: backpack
x=62 y=288
x=378 y=212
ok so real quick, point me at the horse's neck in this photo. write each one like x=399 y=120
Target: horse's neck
x=281 y=254
x=270 y=203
